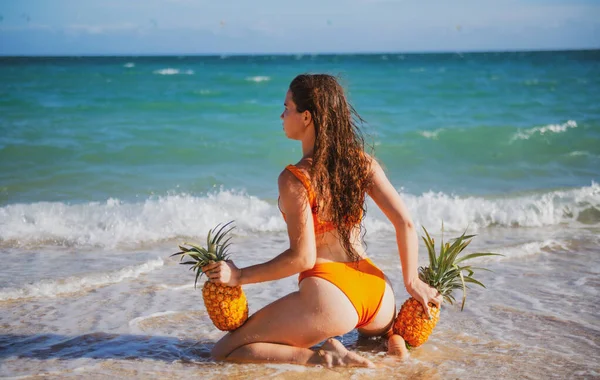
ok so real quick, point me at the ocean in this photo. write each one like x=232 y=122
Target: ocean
x=107 y=163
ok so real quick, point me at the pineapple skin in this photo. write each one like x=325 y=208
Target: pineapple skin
x=412 y=323
x=227 y=306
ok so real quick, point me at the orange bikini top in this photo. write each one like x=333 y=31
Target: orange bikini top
x=320 y=226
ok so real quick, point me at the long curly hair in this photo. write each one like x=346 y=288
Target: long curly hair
x=340 y=169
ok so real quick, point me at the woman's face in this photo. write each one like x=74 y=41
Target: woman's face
x=293 y=121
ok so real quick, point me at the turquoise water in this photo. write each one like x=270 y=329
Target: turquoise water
x=107 y=163
x=86 y=129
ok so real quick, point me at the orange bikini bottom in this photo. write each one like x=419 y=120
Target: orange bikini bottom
x=361 y=281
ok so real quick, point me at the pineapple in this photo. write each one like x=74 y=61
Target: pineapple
x=227 y=306
x=443 y=273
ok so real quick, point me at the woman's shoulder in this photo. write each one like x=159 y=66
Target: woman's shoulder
x=294 y=186
x=295 y=177
x=373 y=162
x=292 y=176
x=298 y=170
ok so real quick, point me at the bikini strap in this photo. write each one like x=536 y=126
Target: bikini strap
x=306 y=182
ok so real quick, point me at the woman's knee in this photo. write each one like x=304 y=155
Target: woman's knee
x=217 y=353
x=220 y=351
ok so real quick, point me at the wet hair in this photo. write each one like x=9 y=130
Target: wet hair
x=340 y=173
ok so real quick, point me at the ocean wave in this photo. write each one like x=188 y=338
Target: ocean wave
x=431 y=134
x=171 y=71
x=258 y=79
x=115 y=223
x=129 y=65
x=527 y=249
x=580 y=205
x=177 y=287
x=551 y=128
x=134 y=322
x=496 y=137
x=74 y=284
x=578 y=153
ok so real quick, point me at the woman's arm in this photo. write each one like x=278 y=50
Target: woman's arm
x=300 y=256
x=389 y=201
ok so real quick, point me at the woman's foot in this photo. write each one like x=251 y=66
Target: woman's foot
x=334 y=354
x=397 y=346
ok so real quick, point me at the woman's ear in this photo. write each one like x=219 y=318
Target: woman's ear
x=307 y=118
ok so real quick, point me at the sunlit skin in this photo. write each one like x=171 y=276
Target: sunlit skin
x=284 y=330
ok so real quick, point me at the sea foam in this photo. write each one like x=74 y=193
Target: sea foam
x=551 y=128
x=534 y=210
x=527 y=249
x=74 y=284
x=115 y=223
x=171 y=71
x=431 y=134
x=258 y=79
x=134 y=322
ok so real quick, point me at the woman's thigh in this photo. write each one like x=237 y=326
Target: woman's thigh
x=317 y=311
x=385 y=316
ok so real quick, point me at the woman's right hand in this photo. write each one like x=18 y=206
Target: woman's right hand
x=425 y=294
x=223 y=272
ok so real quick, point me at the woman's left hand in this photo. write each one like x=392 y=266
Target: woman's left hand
x=425 y=294
x=223 y=272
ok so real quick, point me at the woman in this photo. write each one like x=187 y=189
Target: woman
x=322 y=201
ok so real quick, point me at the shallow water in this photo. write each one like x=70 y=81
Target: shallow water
x=534 y=320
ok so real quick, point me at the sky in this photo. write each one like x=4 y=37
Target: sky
x=157 y=27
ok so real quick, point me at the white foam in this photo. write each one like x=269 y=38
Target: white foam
x=74 y=284
x=282 y=369
x=535 y=210
x=115 y=223
x=129 y=65
x=527 y=249
x=431 y=134
x=177 y=287
x=258 y=79
x=577 y=153
x=134 y=322
x=551 y=128
x=171 y=71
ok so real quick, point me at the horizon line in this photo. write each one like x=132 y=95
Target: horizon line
x=213 y=54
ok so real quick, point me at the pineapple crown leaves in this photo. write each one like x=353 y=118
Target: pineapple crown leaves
x=444 y=272
x=216 y=249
